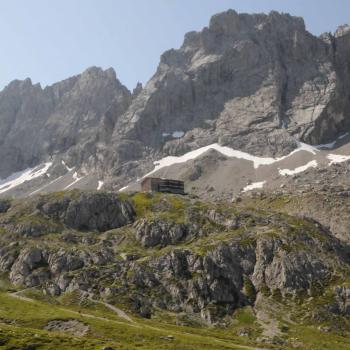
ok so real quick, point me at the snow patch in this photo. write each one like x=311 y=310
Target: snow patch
x=175 y=134
x=209 y=122
x=337 y=158
x=327 y=145
x=331 y=144
x=228 y=152
x=304 y=147
x=254 y=186
x=123 y=188
x=66 y=166
x=178 y=134
x=100 y=185
x=300 y=169
x=21 y=177
x=76 y=179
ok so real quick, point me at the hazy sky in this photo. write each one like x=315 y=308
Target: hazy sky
x=50 y=40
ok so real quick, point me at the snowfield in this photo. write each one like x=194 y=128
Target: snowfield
x=288 y=172
x=66 y=166
x=337 y=158
x=19 y=178
x=253 y=186
x=228 y=152
x=76 y=179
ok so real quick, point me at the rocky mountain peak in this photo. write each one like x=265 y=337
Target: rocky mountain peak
x=231 y=23
x=93 y=73
x=19 y=86
x=236 y=57
x=137 y=90
x=254 y=83
x=37 y=123
x=342 y=30
x=226 y=23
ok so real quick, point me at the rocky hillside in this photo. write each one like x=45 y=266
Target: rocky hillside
x=254 y=83
x=202 y=263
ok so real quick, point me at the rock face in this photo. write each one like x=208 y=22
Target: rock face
x=68 y=119
x=27 y=268
x=4 y=206
x=162 y=233
x=252 y=82
x=90 y=211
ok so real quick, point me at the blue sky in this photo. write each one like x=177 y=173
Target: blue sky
x=50 y=40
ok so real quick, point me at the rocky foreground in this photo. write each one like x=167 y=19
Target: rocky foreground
x=202 y=262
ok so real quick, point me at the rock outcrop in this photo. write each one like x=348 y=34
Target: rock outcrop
x=4 y=206
x=342 y=300
x=162 y=233
x=89 y=211
x=210 y=262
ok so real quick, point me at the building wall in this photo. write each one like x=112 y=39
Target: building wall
x=162 y=185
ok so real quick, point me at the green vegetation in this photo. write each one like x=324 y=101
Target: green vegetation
x=303 y=319
x=157 y=205
x=249 y=289
x=22 y=323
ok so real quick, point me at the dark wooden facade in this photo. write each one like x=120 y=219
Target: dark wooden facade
x=154 y=184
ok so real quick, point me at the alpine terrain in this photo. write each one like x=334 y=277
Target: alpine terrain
x=252 y=113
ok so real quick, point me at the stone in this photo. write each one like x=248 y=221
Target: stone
x=90 y=211
x=158 y=232
x=4 y=205
x=73 y=327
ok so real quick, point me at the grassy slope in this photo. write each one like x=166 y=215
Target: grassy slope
x=22 y=322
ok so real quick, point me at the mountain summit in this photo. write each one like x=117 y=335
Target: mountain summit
x=255 y=83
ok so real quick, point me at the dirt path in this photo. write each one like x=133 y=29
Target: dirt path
x=17 y=295
x=113 y=308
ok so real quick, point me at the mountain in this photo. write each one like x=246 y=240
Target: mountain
x=68 y=119
x=252 y=113
x=254 y=83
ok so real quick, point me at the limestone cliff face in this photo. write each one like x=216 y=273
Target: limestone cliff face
x=253 y=82
x=248 y=81
x=69 y=119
